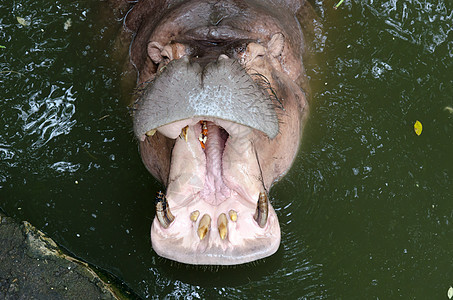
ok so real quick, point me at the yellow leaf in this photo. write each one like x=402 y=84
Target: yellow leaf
x=418 y=127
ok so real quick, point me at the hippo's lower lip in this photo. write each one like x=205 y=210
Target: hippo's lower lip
x=211 y=177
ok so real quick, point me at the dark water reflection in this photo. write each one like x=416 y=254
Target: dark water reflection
x=365 y=211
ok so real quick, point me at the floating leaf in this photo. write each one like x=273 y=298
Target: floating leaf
x=418 y=127
x=450 y=293
x=2 y=47
x=22 y=21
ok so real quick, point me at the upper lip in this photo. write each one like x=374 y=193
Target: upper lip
x=185 y=91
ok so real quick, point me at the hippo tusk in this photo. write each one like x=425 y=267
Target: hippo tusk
x=163 y=212
x=262 y=210
x=184 y=133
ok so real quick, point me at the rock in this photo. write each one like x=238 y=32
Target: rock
x=32 y=266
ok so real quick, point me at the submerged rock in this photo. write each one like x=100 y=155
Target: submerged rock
x=32 y=266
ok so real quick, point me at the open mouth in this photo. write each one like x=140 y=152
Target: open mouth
x=215 y=209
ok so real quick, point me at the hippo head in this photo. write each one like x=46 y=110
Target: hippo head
x=218 y=119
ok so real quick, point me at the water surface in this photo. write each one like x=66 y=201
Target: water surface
x=365 y=211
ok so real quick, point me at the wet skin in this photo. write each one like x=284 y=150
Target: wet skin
x=218 y=120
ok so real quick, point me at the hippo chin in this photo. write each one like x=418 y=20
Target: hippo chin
x=219 y=120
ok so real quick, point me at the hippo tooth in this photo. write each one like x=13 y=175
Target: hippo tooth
x=194 y=215
x=151 y=132
x=222 y=223
x=163 y=212
x=184 y=133
x=233 y=215
x=262 y=210
x=204 y=226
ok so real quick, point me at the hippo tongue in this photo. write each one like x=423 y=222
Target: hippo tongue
x=222 y=90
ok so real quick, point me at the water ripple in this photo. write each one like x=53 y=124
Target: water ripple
x=49 y=117
x=426 y=23
x=65 y=167
x=6 y=153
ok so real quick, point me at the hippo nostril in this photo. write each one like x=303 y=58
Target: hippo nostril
x=222 y=223
x=262 y=210
x=204 y=226
x=163 y=212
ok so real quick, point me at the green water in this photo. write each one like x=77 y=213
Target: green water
x=365 y=212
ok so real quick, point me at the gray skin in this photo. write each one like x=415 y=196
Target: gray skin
x=237 y=67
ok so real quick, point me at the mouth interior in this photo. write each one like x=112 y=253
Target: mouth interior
x=205 y=162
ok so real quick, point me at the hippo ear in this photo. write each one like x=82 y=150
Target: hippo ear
x=275 y=45
x=154 y=52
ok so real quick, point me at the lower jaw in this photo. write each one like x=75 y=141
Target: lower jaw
x=244 y=243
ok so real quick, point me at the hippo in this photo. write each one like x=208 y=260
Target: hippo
x=218 y=116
